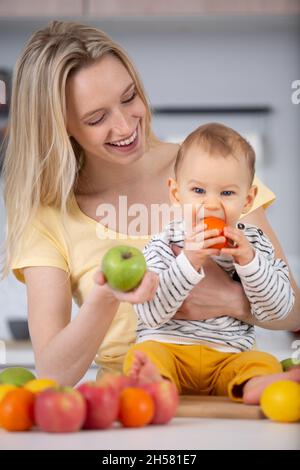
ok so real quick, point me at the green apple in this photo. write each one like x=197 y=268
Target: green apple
x=16 y=376
x=123 y=267
x=289 y=363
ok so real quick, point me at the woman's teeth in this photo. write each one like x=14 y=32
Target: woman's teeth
x=128 y=141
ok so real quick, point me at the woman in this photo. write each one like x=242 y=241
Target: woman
x=80 y=137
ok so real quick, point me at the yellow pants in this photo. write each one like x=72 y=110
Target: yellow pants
x=202 y=370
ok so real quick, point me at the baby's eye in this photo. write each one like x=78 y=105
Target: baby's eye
x=227 y=193
x=198 y=190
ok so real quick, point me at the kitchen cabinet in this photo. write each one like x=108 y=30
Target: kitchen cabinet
x=36 y=8
x=149 y=8
x=126 y=8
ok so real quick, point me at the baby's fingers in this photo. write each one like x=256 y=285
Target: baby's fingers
x=198 y=228
x=212 y=251
x=233 y=234
x=210 y=242
x=228 y=251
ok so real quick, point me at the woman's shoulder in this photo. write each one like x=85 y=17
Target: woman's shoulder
x=50 y=218
x=168 y=148
x=166 y=151
x=47 y=214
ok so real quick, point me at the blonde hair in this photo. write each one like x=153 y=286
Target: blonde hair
x=217 y=139
x=41 y=163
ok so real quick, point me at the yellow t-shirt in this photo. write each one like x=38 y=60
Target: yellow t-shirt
x=76 y=243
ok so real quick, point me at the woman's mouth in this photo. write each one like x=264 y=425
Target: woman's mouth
x=125 y=145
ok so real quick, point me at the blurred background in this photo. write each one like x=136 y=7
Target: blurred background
x=232 y=61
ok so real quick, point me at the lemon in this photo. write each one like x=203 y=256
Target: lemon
x=280 y=401
x=38 y=385
x=4 y=389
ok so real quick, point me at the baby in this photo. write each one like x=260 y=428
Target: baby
x=214 y=170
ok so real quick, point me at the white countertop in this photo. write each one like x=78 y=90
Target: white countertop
x=181 y=433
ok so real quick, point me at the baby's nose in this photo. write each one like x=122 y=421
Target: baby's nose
x=212 y=203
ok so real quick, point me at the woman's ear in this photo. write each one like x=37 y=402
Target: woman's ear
x=173 y=191
x=250 y=199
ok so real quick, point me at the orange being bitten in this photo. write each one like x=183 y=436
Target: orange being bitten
x=216 y=223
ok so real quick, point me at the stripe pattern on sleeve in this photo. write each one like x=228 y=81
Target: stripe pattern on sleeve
x=177 y=278
x=266 y=280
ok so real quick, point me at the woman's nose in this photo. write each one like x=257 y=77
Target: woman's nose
x=120 y=123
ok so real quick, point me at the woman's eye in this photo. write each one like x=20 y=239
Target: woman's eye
x=93 y=123
x=131 y=98
x=227 y=193
x=198 y=190
x=127 y=100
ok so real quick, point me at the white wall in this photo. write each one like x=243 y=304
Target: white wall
x=238 y=61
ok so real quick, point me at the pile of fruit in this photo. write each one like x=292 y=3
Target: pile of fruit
x=27 y=402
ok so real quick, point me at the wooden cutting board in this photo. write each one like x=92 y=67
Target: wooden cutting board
x=193 y=406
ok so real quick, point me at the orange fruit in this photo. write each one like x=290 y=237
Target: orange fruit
x=280 y=401
x=16 y=410
x=38 y=385
x=5 y=388
x=136 y=407
x=215 y=223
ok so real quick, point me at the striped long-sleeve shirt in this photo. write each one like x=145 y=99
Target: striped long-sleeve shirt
x=265 y=281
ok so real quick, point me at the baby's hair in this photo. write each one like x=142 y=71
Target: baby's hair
x=217 y=139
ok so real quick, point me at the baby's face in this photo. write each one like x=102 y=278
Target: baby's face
x=220 y=185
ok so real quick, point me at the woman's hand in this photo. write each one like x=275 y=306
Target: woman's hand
x=216 y=295
x=143 y=293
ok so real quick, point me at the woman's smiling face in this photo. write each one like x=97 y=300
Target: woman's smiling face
x=105 y=115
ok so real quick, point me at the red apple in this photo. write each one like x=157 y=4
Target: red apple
x=166 y=400
x=102 y=405
x=116 y=381
x=60 y=410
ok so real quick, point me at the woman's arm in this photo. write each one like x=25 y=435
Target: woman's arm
x=292 y=321
x=216 y=295
x=65 y=349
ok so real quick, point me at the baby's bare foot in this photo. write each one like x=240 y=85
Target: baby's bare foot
x=255 y=386
x=143 y=369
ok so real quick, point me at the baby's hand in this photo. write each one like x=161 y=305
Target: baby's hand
x=198 y=245
x=144 y=292
x=242 y=251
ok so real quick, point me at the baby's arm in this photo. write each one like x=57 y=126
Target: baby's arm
x=177 y=277
x=266 y=280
